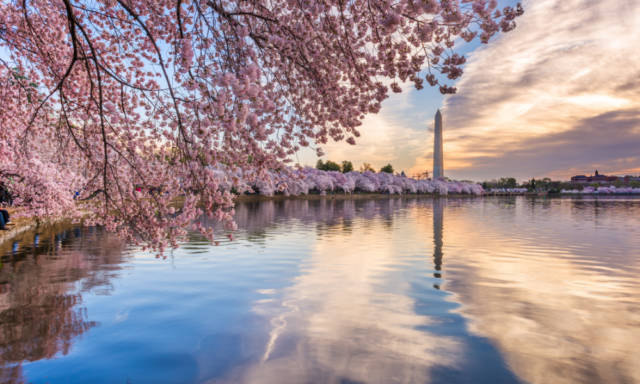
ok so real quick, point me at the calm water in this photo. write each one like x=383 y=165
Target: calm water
x=405 y=290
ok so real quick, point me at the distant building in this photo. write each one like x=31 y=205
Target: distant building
x=631 y=178
x=598 y=178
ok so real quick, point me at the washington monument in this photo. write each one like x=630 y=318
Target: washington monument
x=438 y=163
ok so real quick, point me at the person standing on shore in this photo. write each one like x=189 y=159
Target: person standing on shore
x=4 y=220
x=5 y=195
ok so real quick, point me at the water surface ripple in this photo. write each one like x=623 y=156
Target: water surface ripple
x=400 y=290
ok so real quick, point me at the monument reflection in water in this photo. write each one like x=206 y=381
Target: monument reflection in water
x=400 y=290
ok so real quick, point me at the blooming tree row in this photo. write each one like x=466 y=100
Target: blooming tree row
x=605 y=190
x=509 y=190
x=310 y=180
x=107 y=95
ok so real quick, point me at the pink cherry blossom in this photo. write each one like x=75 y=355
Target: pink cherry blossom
x=136 y=104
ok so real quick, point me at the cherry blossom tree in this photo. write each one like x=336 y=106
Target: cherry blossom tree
x=311 y=180
x=140 y=96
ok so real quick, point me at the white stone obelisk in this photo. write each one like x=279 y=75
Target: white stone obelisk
x=438 y=159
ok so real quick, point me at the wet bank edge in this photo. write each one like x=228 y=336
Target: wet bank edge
x=23 y=225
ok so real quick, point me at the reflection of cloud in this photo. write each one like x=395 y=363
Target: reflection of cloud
x=120 y=317
x=279 y=324
x=347 y=318
x=547 y=282
x=266 y=291
x=533 y=102
x=558 y=310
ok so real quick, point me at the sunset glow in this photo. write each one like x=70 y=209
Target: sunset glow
x=554 y=98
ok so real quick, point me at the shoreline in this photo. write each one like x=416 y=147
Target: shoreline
x=23 y=225
x=256 y=198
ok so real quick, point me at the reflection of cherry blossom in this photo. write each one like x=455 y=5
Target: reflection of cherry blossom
x=41 y=311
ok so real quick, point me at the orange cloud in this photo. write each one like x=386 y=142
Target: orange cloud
x=555 y=97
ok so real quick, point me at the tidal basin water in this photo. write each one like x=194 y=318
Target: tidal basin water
x=400 y=290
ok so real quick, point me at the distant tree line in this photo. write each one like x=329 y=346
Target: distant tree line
x=619 y=184
x=347 y=166
x=501 y=183
x=546 y=184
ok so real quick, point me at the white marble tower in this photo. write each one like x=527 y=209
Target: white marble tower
x=438 y=162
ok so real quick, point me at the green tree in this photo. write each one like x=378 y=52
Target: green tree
x=618 y=183
x=387 y=168
x=555 y=185
x=347 y=166
x=331 y=166
x=635 y=184
x=328 y=166
x=507 y=182
x=594 y=185
x=366 y=167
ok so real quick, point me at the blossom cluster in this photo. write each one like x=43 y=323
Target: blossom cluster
x=111 y=94
x=310 y=180
x=509 y=190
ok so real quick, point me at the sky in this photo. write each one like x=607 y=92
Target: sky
x=556 y=97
